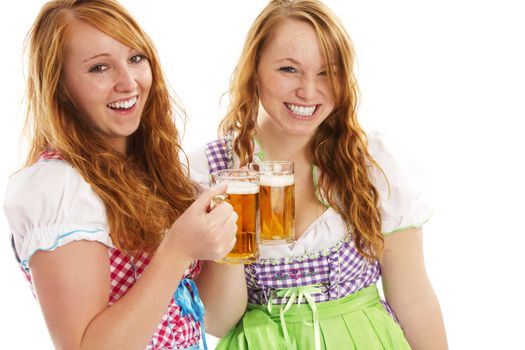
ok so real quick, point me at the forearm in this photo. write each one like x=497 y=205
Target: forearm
x=223 y=292
x=421 y=319
x=409 y=292
x=133 y=319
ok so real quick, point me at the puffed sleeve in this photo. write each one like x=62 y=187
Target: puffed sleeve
x=199 y=167
x=404 y=198
x=49 y=205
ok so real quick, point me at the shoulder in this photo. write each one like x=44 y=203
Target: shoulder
x=47 y=181
x=383 y=148
x=393 y=161
x=42 y=178
x=49 y=204
x=400 y=181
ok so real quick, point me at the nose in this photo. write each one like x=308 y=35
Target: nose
x=307 y=88
x=125 y=80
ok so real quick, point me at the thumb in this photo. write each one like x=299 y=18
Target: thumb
x=204 y=200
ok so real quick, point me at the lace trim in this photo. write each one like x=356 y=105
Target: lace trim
x=308 y=256
x=229 y=148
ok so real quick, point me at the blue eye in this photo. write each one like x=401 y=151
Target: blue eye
x=137 y=58
x=288 y=69
x=98 y=68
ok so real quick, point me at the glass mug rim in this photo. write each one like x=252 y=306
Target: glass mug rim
x=272 y=161
x=239 y=174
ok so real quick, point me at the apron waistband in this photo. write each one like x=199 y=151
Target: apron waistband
x=300 y=312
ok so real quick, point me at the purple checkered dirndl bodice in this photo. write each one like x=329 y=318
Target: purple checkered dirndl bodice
x=339 y=270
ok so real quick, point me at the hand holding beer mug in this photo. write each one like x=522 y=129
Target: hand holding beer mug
x=242 y=194
x=277 y=201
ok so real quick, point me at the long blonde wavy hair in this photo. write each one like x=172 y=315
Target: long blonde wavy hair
x=146 y=189
x=339 y=145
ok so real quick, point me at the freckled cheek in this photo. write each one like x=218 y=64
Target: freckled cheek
x=145 y=79
x=327 y=94
x=324 y=87
x=87 y=94
x=94 y=96
x=330 y=100
x=278 y=88
x=98 y=94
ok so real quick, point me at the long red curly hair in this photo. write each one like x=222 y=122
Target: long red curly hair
x=339 y=145
x=145 y=190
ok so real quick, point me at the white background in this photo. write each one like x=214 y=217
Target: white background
x=445 y=78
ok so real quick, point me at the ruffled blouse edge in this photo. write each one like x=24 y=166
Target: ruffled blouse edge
x=93 y=234
x=419 y=224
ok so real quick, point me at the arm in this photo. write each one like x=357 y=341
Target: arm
x=72 y=282
x=72 y=286
x=409 y=292
x=223 y=292
x=222 y=287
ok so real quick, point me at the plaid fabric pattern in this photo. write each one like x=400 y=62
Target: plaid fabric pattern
x=50 y=154
x=173 y=332
x=218 y=155
x=27 y=276
x=340 y=270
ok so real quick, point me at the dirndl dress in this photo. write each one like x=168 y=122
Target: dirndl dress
x=319 y=292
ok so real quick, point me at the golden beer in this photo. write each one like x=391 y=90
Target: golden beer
x=242 y=194
x=277 y=202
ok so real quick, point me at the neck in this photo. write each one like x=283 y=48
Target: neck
x=281 y=147
x=119 y=145
x=278 y=145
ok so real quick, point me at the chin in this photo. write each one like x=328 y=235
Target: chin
x=301 y=132
x=131 y=129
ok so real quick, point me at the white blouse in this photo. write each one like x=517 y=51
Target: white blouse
x=404 y=200
x=48 y=205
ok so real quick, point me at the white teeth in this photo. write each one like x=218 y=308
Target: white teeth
x=123 y=104
x=302 y=111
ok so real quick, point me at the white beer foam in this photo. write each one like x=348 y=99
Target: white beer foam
x=242 y=187
x=276 y=180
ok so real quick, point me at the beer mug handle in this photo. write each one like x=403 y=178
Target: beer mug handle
x=217 y=200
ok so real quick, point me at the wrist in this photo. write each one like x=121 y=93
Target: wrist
x=174 y=252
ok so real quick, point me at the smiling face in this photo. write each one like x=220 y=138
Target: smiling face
x=294 y=88
x=108 y=82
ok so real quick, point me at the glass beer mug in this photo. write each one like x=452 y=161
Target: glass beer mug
x=242 y=194
x=277 y=201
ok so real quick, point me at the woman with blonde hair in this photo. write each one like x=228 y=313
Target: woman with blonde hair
x=104 y=221
x=359 y=212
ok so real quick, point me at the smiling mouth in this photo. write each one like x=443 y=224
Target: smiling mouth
x=302 y=111
x=123 y=104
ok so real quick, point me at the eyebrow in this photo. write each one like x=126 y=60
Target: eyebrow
x=96 y=56
x=288 y=59
x=299 y=63
x=104 y=54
